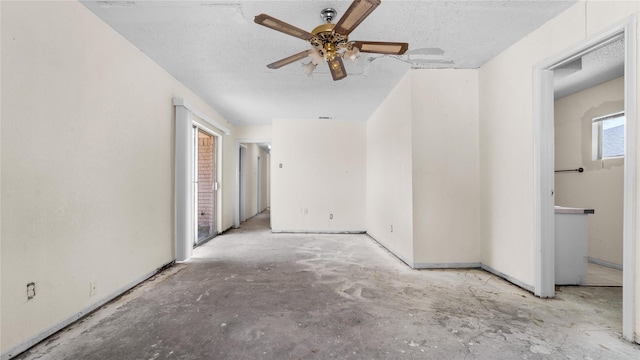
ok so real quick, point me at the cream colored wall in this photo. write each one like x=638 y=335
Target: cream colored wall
x=506 y=144
x=444 y=138
x=506 y=135
x=323 y=172
x=228 y=185
x=389 y=172
x=252 y=133
x=600 y=187
x=87 y=164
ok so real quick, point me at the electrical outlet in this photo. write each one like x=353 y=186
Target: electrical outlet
x=306 y=211
x=330 y=216
x=92 y=289
x=391 y=228
x=31 y=290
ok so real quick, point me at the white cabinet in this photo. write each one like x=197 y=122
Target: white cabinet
x=571 y=245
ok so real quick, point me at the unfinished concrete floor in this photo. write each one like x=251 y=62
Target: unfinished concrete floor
x=251 y=294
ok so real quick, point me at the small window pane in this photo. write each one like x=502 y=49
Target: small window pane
x=608 y=136
x=613 y=137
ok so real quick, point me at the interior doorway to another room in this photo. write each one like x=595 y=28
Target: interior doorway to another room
x=545 y=142
x=589 y=172
x=242 y=175
x=259 y=185
x=253 y=180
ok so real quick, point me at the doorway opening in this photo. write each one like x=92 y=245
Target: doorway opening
x=253 y=179
x=205 y=186
x=259 y=185
x=242 y=188
x=544 y=160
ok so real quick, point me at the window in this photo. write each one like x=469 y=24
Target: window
x=608 y=136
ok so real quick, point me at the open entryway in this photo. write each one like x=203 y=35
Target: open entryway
x=586 y=162
x=253 y=179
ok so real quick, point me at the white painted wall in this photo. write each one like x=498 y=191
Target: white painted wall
x=389 y=174
x=227 y=186
x=252 y=133
x=506 y=144
x=506 y=136
x=600 y=187
x=87 y=164
x=423 y=169
x=323 y=172
x=444 y=138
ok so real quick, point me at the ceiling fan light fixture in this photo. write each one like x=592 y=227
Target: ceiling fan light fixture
x=352 y=54
x=316 y=56
x=308 y=68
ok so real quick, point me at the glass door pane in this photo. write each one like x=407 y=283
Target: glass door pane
x=205 y=186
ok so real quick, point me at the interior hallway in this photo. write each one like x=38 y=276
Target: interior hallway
x=251 y=294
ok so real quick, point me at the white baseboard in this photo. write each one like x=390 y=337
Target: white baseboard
x=605 y=263
x=391 y=251
x=472 y=265
x=20 y=348
x=508 y=278
x=319 y=232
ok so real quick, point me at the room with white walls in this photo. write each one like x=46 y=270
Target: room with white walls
x=87 y=165
x=441 y=174
x=318 y=170
x=600 y=186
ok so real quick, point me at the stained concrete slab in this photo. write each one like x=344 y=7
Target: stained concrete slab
x=251 y=294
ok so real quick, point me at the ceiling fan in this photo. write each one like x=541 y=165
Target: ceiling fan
x=330 y=42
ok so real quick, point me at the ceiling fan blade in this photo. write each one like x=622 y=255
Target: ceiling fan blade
x=289 y=60
x=338 y=72
x=354 y=15
x=279 y=25
x=381 y=47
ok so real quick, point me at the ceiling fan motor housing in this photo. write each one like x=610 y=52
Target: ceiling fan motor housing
x=328 y=42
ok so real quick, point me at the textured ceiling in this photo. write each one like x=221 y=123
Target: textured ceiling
x=216 y=49
x=593 y=68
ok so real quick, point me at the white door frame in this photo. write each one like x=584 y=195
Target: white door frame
x=184 y=176
x=239 y=142
x=544 y=273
